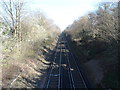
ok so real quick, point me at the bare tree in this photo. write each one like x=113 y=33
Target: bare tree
x=106 y=22
x=12 y=14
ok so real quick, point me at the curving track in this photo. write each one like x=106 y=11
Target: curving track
x=64 y=71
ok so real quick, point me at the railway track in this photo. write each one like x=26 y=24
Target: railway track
x=64 y=71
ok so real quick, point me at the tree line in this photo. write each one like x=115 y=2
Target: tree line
x=20 y=28
x=97 y=34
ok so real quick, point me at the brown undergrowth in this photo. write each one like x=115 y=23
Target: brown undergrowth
x=29 y=68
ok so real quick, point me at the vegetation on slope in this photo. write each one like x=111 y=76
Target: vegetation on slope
x=95 y=41
x=26 y=40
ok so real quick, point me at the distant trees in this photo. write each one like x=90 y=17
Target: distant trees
x=106 y=22
x=38 y=26
x=102 y=24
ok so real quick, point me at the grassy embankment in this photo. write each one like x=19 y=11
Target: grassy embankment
x=24 y=62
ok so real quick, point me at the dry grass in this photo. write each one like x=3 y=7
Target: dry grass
x=29 y=62
x=24 y=51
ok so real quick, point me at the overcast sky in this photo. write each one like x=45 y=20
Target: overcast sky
x=64 y=12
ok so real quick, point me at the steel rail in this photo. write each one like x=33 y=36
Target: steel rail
x=59 y=82
x=67 y=58
x=52 y=66
x=77 y=65
x=70 y=73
